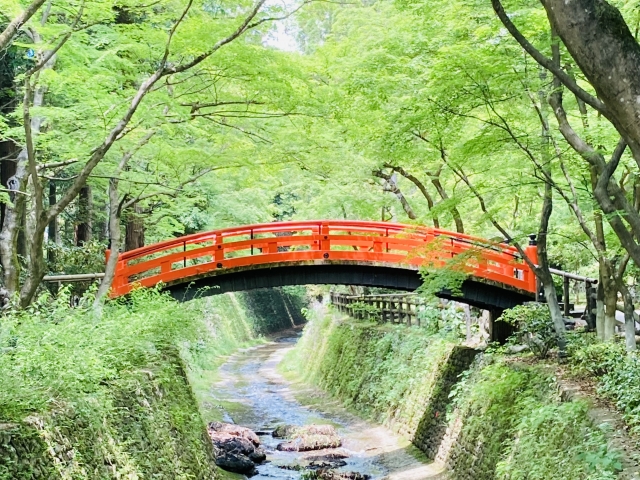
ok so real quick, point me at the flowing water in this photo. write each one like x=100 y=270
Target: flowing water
x=254 y=395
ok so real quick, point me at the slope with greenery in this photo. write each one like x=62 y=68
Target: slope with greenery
x=124 y=395
x=505 y=418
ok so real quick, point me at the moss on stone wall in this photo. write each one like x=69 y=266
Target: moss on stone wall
x=21 y=453
x=394 y=375
x=147 y=426
x=509 y=423
x=499 y=419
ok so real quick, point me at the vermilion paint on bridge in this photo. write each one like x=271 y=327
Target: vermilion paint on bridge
x=318 y=242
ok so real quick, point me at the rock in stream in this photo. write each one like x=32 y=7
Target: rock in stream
x=237 y=448
x=309 y=437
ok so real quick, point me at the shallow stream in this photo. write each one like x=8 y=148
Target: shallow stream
x=253 y=394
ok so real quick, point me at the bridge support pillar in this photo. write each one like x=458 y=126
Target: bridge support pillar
x=498 y=331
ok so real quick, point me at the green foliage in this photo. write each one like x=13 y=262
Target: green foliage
x=513 y=420
x=367 y=311
x=559 y=440
x=51 y=351
x=71 y=259
x=616 y=372
x=447 y=321
x=534 y=325
x=107 y=395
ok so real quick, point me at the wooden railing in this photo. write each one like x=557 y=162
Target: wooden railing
x=320 y=242
x=400 y=308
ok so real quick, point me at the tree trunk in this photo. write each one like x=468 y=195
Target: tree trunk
x=52 y=231
x=390 y=184
x=37 y=266
x=114 y=244
x=421 y=187
x=85 y=207
x=454 y=210
x=552 y=298
x=610 y=305
x=6 y=36
x=600 y=310
x=12 y=225
x=14 y=221
x=134 y=233
x=629 y=321
x=606 y=51
x=543 y=272
x=8 y=152
x=602 y=45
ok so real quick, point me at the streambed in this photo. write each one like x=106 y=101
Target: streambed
x=253 y=394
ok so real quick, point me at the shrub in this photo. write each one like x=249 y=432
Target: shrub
x=534 y=325
x=107 y=395
x=367 y=311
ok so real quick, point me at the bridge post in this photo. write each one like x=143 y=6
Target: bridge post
x=325 y=243
x=407 y=312
x=532 y=253
x=498 y=331
x=218 y=254
x=590 y=308
x=565 y=296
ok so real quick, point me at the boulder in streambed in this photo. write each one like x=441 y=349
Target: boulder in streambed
x=235 y=463
x=237 y=448
x=328 y=457
x=309 y=437
x=235 y=431
x=286 y=431
x=258 y=455
x=319 y=465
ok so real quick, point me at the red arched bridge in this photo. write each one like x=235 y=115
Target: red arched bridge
x=328 y=252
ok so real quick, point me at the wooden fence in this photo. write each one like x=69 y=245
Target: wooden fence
x=395 y=308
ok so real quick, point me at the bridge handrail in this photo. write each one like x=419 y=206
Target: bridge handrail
x=355 y=241
x=288 y=226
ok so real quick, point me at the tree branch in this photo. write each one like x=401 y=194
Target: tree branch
x=421 y=187
x=392 y=187
x=10 y=30
x=547 y=63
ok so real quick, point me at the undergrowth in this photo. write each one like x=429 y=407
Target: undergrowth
x=512 y=423
x=517 y=427
x=84 y=396
x=616 y=372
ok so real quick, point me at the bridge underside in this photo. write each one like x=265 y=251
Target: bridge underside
x=473 y=292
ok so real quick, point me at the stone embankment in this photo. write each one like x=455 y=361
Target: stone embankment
x=477 y=416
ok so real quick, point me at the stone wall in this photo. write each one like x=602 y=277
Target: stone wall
x=22 y=453
x=482 y=417
x=148 y=427
x=433 y=425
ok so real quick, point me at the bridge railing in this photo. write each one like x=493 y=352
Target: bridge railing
x=323 y=241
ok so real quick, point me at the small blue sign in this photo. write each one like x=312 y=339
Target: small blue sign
x=31 y=53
